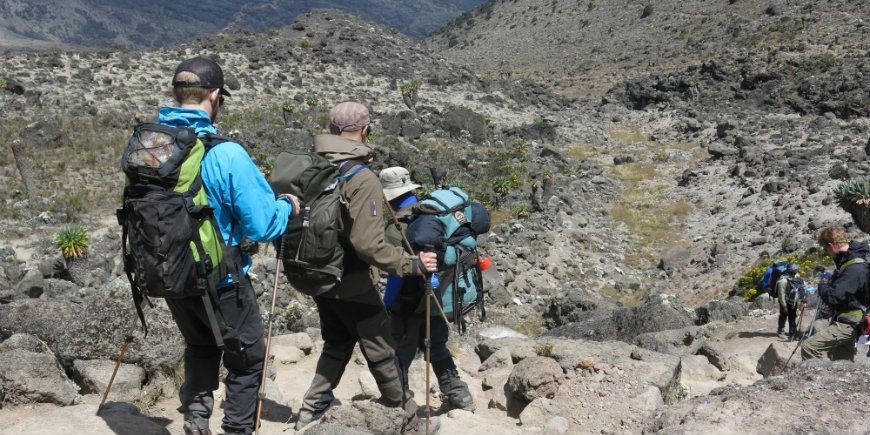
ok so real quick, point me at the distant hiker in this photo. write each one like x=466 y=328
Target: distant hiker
x=791 y=294
x=845 y=293
x=244 y=206
x=353 y=311
x=403 y=297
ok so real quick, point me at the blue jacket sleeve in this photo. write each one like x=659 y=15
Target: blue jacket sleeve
x=394 y=284
x=235 y=182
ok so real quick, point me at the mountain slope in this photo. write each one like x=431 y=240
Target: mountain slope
x=101 y=23
x=584 y=47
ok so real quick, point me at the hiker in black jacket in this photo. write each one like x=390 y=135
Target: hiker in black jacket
x=845 y=293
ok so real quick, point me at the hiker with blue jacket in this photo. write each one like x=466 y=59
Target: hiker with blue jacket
x=791 y=294
x=244 y=206
x=404 y=297
x=845 y=293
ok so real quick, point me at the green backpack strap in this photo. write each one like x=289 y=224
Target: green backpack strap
x=856 y=260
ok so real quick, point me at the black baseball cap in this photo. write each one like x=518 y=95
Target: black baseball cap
x=208 y=72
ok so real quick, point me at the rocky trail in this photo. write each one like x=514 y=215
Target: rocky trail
x=575 y=387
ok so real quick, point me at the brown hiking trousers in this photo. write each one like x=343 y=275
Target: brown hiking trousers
x=837 y=340
x=344 y=322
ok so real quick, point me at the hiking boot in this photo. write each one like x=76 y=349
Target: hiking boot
x=458 y=395
x=196 y=431
x=781 y=335
x=191 y=428
x=417 y=426
x=305 y=418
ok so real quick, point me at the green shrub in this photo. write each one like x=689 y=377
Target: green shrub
x=544 y=349
x=288 y=106
x=520 y=211
x=647 y=11
x=807 y=263
x=72 y=240
x=304 y=43
x=312 y=101
x=3 y=83
x=409 y=88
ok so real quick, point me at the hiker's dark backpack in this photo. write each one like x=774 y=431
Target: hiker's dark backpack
x=171 y=243
x=795 y=289
x=312 y=254
x=459 y=274
x=771 y=276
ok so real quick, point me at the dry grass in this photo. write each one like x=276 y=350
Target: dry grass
x=634 y=172
x=584 y=151
x=627 y=134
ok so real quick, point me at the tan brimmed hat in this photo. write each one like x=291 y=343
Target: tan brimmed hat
x=396 y=182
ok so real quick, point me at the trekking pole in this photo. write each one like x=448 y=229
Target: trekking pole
x=807 y=334
x=262 y=393
x=128 y=338
x=800 y=319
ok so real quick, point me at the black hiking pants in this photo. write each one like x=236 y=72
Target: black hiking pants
x=409 y=332
x=242 y=357
x=790 y=312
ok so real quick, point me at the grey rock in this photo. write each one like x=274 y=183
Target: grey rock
x=26 y=342
x=32 y=285
x=94 y=376
x=715 y=355
x=367 y=416
x=499 y=359
x=773 y=360
x=723 y=311
x=719 y=150
x=31 y=377
x=458 y=119
x=535 y=377
x=539 y=411
x=324 y=428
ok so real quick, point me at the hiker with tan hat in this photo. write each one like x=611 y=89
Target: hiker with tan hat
x=404 y=297
x=352 y=312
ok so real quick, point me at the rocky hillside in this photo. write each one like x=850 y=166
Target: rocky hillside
x=37 y=24
x=584 y=47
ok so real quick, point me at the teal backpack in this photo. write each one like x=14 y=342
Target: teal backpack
x=459 y=276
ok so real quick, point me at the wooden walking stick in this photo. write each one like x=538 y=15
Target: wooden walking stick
x=128 y=338
x=262 y=393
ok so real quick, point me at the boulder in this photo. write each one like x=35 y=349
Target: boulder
x=94 y=375
x=94 y=327
x=539 y=412
x=299 y=340
x=773 y=360
x=535 y=377
x=519 y=348
x=723 y=311
x=366 y=416
x=455 y=120
x=333 y=429
x=714 y=354
x=672 y=341
x=698 y=375
x=287 y=354
x=35 y=377
x=500 y=359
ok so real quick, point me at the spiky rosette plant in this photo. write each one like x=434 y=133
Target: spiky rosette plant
x=854 y=197
x=72 y=240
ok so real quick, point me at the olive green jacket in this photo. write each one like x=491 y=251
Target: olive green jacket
x=362 y=223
